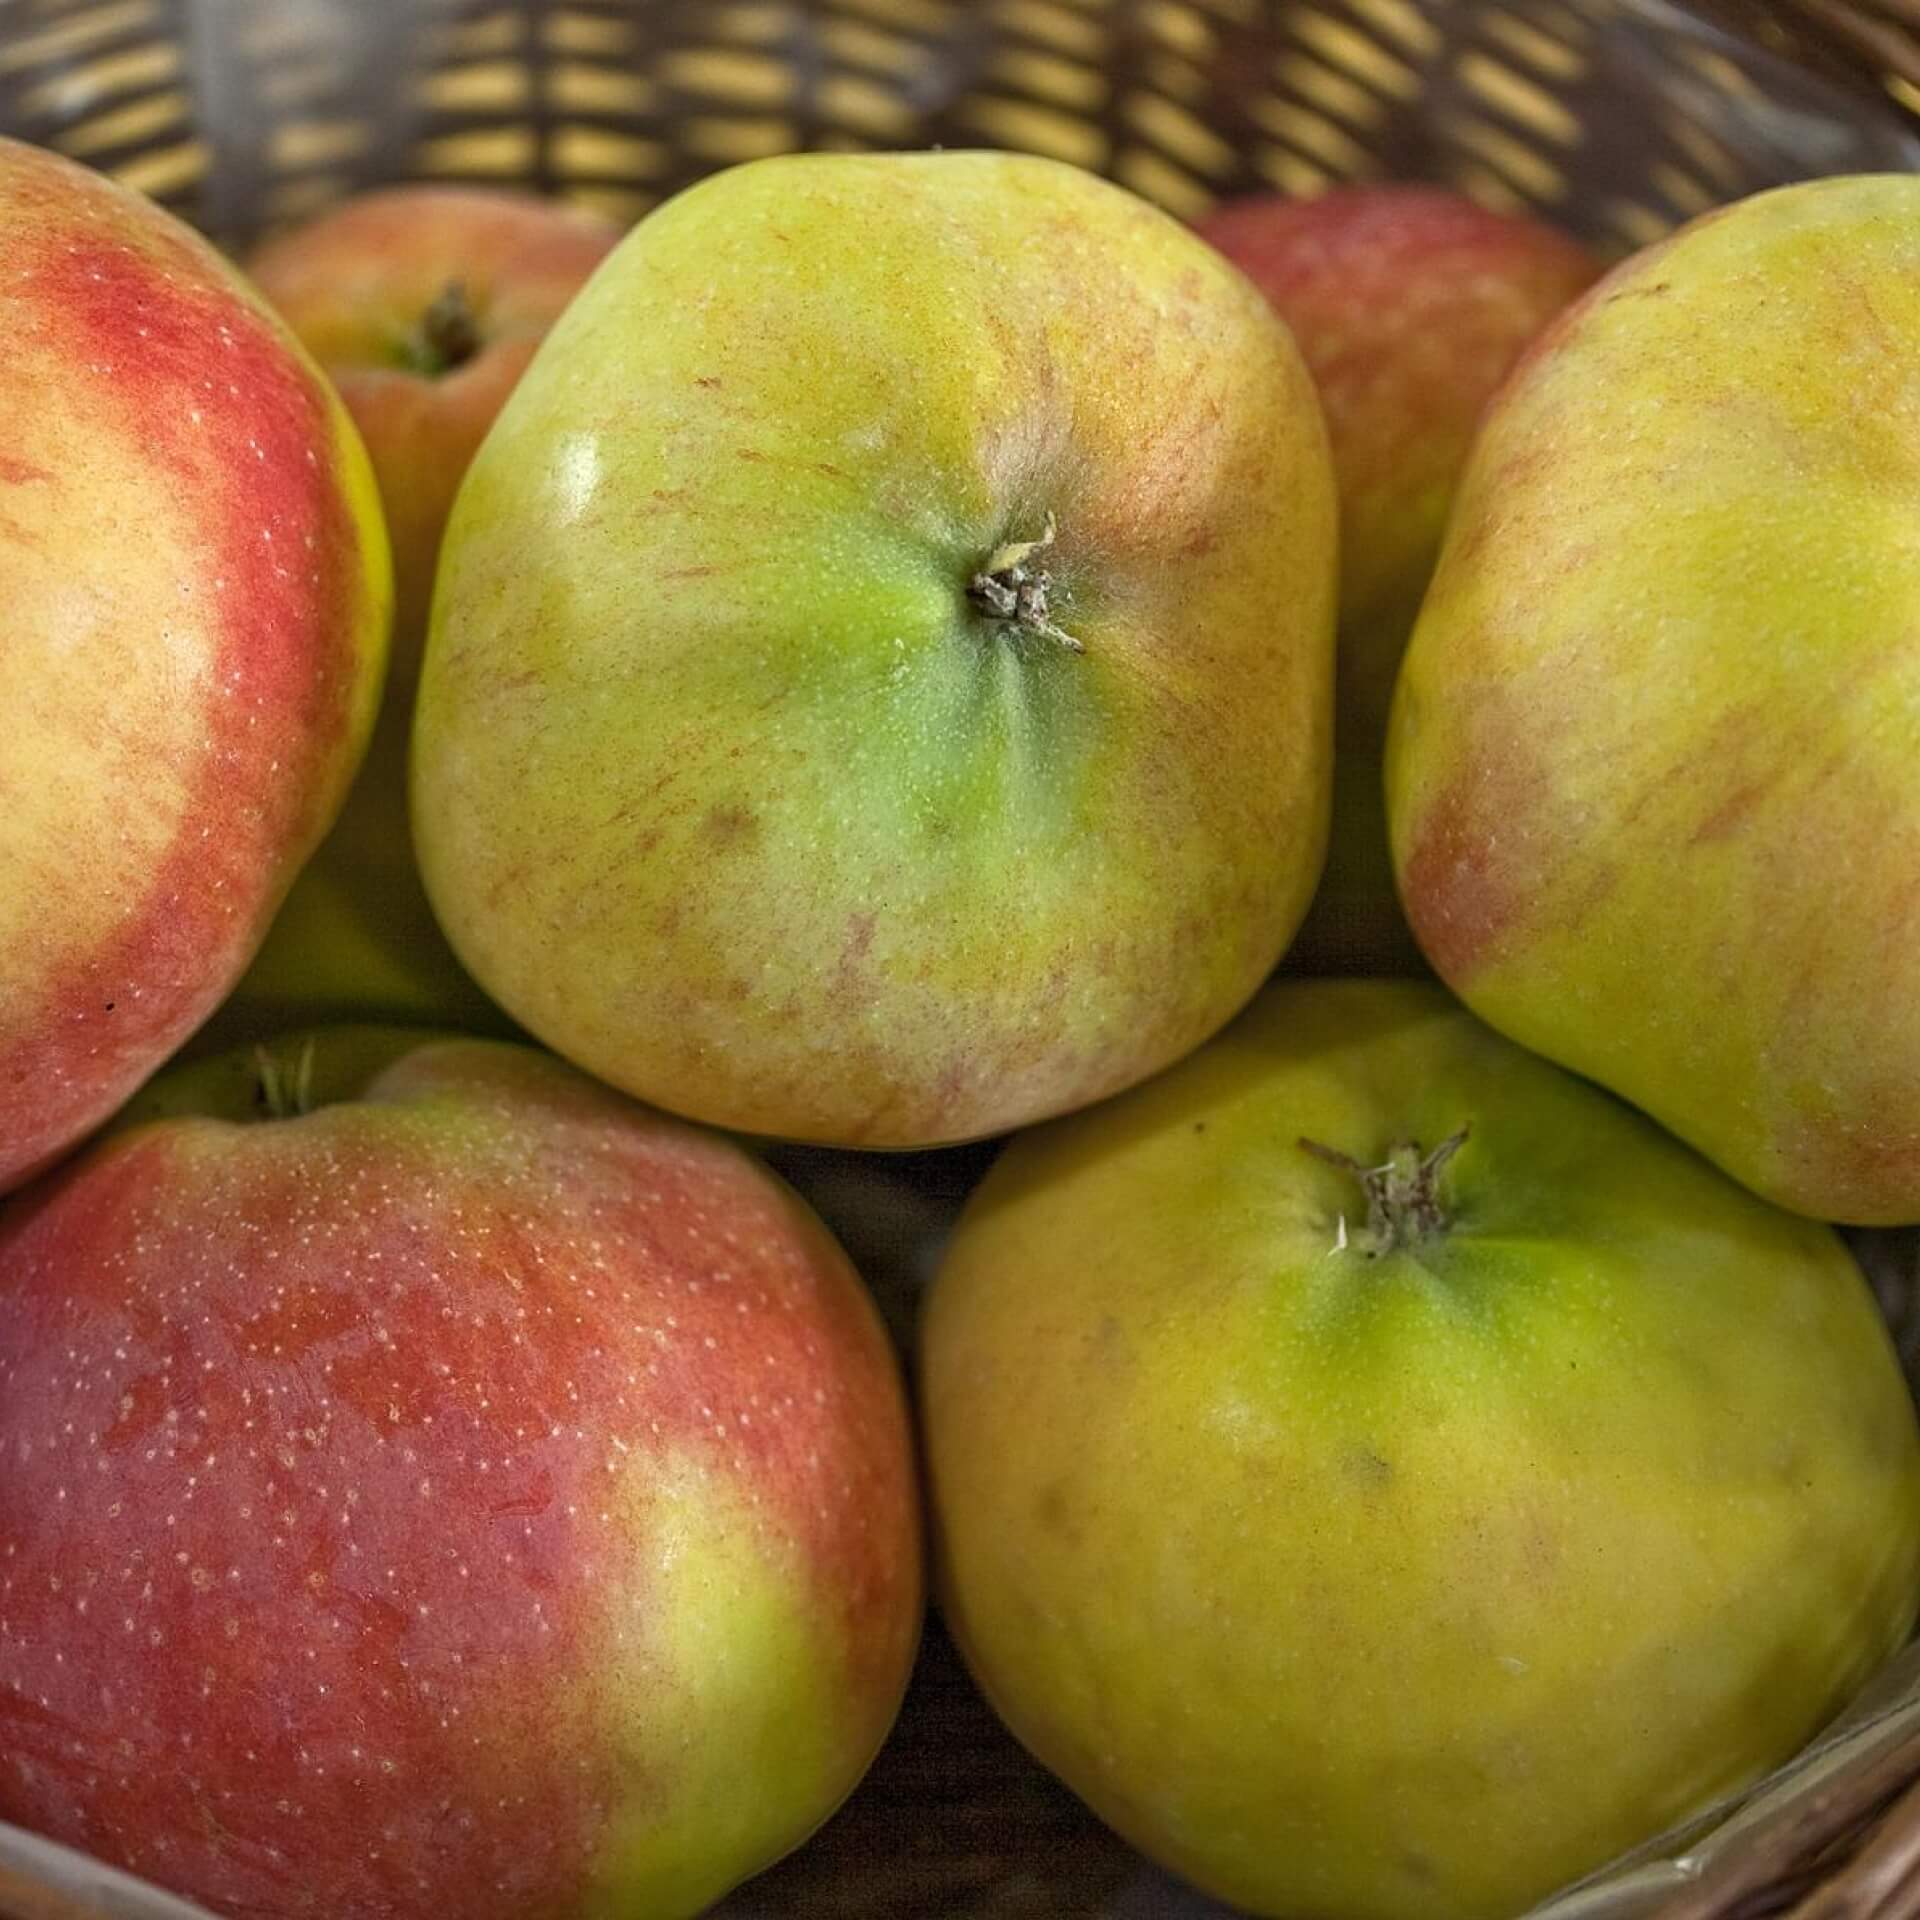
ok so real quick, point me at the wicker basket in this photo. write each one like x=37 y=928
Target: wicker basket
x=1613 y=118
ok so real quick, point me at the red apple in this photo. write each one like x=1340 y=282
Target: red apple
x=1410 y=304
x=196 y=589
x=468 y=1494
x=424 y=304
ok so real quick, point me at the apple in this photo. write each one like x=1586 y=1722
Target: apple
x=197 y=592
x=1410 y=304
x=880 y=680
x=424 y=305
x=1387 y=1477
x=1656 y=717
x=438 y=1485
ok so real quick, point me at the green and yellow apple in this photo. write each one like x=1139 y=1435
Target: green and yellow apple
x=1410 y=304
x=880 y=680
x=1386 y=1477
x=436 y=1485
x=1657 y=718
x=424 y=305
x=197 y=592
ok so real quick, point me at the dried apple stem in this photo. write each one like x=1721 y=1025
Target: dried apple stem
x=449 y=330
x=1011 y=586
x=1403 y=1192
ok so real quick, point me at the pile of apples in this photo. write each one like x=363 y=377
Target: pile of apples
x=509 y=726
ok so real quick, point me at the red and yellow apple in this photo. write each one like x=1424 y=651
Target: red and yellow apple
x=1387 y=1477
x=424 y=305
x=1410 y=305
x=880 y=681
x=436 y=1485
x=197 y=592
x=1656 y=725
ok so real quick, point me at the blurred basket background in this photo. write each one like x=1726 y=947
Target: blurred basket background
x=1613 y=118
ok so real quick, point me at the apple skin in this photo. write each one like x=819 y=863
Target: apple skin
x=1404 y=1587
x=475 y=1495
x=725 y=787
x=1410 y=304
x=356 y=938
x=1656 y=713
x=197 y=585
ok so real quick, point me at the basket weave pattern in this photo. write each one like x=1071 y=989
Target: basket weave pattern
x=1616 y=119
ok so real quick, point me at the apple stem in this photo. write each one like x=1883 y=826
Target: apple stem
x=1010 y=587
x=449 y=330
x=1403 y=1199
x=281 y=1095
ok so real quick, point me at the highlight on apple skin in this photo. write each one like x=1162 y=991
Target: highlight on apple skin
x=197 y=587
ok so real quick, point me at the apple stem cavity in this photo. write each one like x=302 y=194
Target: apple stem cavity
x=449 y=332
x=1403 y=1197
x=281 y=1094
x=1010 y=587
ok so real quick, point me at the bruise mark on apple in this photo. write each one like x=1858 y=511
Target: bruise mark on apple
x=1727 y=819
x=1109 y=1346
x=1418 y=1868
x=732 y=825
x=527 y=679
x=850 y=984
x=1463 y=892
x=15 y=533
x=21 y=473
x=950 y=1096
x=1054 y=1510
x=528 y=1505
x=669 y=916
x=24 y=1718
x=508 y=884
x=1367 y=1468
x=1458 y=899
x=1824 y=1153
